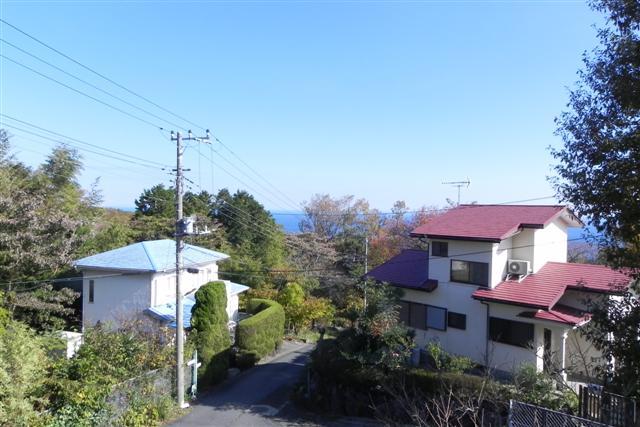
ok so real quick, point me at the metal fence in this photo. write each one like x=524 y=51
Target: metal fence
x=148 y=387
x=609 y=408
x=527 y=415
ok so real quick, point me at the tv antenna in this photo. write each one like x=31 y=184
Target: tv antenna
x=459 y=184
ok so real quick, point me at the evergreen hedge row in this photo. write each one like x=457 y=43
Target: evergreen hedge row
x=209 y=321
x=261 y=333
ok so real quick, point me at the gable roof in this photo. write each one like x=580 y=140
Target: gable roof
x=492 y=223
x=545 y=288
x=149 y=256
x=409 y=269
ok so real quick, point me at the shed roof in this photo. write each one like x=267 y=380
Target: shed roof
x=492 y=223
x=151 y=256
x=559 y=314
x=167 y=312
x=545 y=288
x=409 y=269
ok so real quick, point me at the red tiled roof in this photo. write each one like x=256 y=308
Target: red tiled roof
x=487 y=222
x=559 y=313
x=409 y=269
x=545 y=288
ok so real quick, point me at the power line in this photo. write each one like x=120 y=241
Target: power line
x=133 y=116
x=97 y=73
x=256 y=173
x=79 y=141
x=428 y=211
x=89 y=84
x=235 y=177
x=32 y=37
x=284 y=271
x=75 y=146
x=271 y=192
x=399 y=262
x=270 y=231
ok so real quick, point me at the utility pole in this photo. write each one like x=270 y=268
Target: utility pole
x=183 y=228
x=366 y=268
x=459 y=184
x=366 y=254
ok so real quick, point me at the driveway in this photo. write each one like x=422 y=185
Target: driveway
x=256 y=397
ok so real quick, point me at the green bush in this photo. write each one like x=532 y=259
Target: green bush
x=447 y=362
x=262 y=332
x=79 y=388
x=209 y=321
x=23 y=364
x=540 y=389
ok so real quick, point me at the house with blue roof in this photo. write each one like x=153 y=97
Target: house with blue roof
x=139 y=281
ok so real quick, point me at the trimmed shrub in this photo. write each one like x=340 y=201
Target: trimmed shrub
x=261 y=333
x=246 y=359
x=209 y=321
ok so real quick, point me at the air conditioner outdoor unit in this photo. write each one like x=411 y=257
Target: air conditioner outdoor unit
x=516 y=266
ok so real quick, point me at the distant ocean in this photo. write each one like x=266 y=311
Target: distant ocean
x=288 y=220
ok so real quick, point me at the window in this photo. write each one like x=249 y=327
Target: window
x=457 y=320
x=418 y=316
x=440 y=249
x=476 y=273
x=91 y=291
x=511 y=332
x=436 y=318
x=405 y=308
x=421 y=316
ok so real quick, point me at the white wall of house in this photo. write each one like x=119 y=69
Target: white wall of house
x=440 y=267
x=538 y=246
x=455 y=297
x=509 y=358
x=550 y=244
x=124 y=297
x=522 y=245
x=232 y=307
x=499 y=257
x=582 y=356
x=115 y=298
x=164 y=284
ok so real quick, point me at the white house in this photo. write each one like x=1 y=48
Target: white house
x=140 y=280
x=496 y=286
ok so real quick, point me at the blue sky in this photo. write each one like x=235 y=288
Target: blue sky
x=382 y=100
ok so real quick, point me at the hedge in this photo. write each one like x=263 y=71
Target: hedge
x=211 y=331
x=261 y=333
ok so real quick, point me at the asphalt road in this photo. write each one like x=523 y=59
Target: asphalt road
x=256 y=397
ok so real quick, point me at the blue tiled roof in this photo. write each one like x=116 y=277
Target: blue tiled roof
x=167 y=312
x=152 y=256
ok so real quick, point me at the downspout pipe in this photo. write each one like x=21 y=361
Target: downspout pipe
x=486 y=341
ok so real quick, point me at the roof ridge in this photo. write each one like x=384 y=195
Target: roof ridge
x=202 y=250
x=146 y=252
x=581 y=264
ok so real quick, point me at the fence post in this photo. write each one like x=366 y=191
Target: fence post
x=509 y=419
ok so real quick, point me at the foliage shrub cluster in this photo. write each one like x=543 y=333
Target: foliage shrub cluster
x=447 y=362
x=261 y=333
x=540 y=389
x=343 y=385
x=355 y=374
x=209 y=321
x=78 y=389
